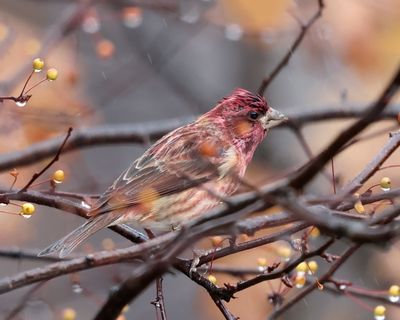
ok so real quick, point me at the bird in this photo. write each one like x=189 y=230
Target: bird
x=185 y=173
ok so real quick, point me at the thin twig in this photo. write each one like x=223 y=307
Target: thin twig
x=159 y=302
x=285 y=60
x=150 y=131
x=36 y=175
x=243 y=285
x=302 y=294
x=221 y=306
x=25 y=298
x=301 y=178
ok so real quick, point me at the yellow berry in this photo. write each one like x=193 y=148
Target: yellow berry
x=359 y=207
x=302 y=267
x=58 y=176
x=394 y=290
x=69 y=314
x=27 y=209
x=315 y=232
x=379 y=311
x=217 y=241
x=262 y=262
x=386 y=183
x=38 y=64
x=212 y=279
x=300 y=280
x=284 y=251
x=313 y=266
x=52 y=74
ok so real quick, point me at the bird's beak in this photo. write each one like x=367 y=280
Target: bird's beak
x=272 y=119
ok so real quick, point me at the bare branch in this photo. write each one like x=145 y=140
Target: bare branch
x=56 y=157
x=304 y=176
x=285 y=60
x=343 y=258
x=144 y=132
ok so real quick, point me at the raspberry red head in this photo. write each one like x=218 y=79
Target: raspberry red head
x=246 y=117
x=247 y=105
x=241 y=98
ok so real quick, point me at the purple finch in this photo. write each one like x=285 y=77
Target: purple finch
x=185 y=173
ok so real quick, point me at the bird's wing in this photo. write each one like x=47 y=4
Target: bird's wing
x=185 y=158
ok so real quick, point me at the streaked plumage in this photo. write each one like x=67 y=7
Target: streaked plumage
x=171 y=182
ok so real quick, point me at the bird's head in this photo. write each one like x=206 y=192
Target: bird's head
x=247 y=117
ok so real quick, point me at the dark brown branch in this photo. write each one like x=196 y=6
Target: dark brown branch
x=87 y=262
x=140 y=133
x=279 y=235
x=145 y=132
x=159 y=302
x=364 y=293
x=340 y=226
x=222 y=307
x=141 y=278
x=205 y=224
x=67 y=205
x=373 y=166
x=343 y=258
x=300 y=179
x=285 y=60
x=27 y=254
x=240 y=286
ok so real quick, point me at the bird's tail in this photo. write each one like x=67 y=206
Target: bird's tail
x=65 y=245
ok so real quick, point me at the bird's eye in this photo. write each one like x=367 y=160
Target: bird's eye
x=253 y=115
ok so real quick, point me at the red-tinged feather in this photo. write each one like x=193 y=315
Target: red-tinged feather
x=186 y=172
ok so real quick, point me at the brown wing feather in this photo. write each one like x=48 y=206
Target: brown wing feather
x=171 y=165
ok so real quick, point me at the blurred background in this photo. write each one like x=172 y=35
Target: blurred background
x=142 y=61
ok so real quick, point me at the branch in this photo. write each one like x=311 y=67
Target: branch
x=145 y=132
x=285 y=60
x=23 y=301
x=140 y=280
x=159 y=302
x=221 y=306
x=313 y=286
x=87 y=262
x=279 y=235
x=230 y=290
x=301 y=178
x=356 y=291
x=140 y=133
x=372 y=167
x=340 y=226
x=66 y=24
x=56 y=157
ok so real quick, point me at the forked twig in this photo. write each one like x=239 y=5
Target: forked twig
x=36 y=175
